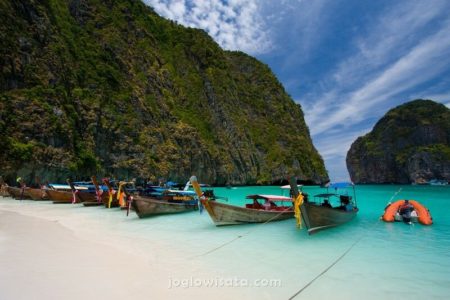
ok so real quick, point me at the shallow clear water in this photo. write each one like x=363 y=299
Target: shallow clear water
x=364 y=259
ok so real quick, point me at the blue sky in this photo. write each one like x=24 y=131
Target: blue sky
x=347 y=62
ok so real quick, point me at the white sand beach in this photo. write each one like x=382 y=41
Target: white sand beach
x=67 y=251
x=72 y=252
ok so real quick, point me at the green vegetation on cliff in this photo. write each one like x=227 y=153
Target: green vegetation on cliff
x=109 y=87
x=411 y=142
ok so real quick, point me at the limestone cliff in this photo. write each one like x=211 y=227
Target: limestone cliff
x=110 y=87
x=410 y=143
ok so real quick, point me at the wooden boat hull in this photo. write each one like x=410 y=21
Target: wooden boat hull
x=225 y=214
x=16 y=193
x=317 y=218
x=86 y=197
x=61 y=197
x=4 y=191
x=91 y=198
x=92 y=203
x=114 y=202
x=37 y=194
x=146 y=207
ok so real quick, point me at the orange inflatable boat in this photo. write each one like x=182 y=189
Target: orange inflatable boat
x=421 y=215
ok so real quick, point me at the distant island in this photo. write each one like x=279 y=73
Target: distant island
x=410 y=144
x=111 y=88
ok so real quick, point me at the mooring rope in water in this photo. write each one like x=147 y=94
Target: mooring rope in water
x=395 y=194
x=326 y=270
x=339 y=258
x=239 y=236
x=221 y=246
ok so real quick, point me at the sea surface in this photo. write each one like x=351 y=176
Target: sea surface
x=364 y=259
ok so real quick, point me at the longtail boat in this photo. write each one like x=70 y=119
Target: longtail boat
x=84 y=195
x=3 y=188
x=37 y=194
x=264 y=208
x=14 y=192
x=18 y=193
x=327 y=209
x=63 y=196
x=172 y=202
x=88 y=197
x=97 y=199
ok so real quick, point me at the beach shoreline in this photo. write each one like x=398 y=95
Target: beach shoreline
x=45 y=260
x=58 y=254
x=70 y=251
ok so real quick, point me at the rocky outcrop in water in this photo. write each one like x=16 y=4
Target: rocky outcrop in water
x=411 y=143
x=111 y=88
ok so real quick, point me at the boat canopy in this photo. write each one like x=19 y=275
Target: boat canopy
x=83 y=183
x=270 y=197
x=288 y=187
x=181 y=192
x=325 y=195
x=66 y=187
x=59 y=186
x=341 y=185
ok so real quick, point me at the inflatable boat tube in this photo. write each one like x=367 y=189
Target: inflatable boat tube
x=423 y=214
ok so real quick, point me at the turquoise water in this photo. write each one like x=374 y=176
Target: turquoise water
x=364 y=259
x=389 y=260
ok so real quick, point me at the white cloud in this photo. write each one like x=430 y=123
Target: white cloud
x=298 y=25
x=334 y=147
x=338 y=143
x=369 y=80
x=404 y=49
x=234 y=24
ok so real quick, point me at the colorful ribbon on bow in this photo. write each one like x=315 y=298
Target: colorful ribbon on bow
x=74 y=196
x=297 y=212
x=129 y=200
x=98 y=194
x=111 y=192
x=120 y=195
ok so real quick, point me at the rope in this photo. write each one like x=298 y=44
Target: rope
x=239 y=236
x=221 y=246
x=337 y=260
x=395 y=194
x=326 y=270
